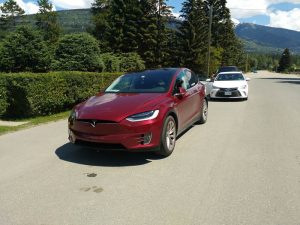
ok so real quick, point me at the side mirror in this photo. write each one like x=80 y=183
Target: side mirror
x=248 y=79
x=181 y=93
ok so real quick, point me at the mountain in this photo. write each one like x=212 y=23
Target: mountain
x=256 y=38
x=259 y=38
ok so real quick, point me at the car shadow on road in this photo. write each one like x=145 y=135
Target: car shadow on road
x=284 y=80
x=92 y=157
x=227 y=100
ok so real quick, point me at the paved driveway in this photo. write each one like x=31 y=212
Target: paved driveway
x=241 y=168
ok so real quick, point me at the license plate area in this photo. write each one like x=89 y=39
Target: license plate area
x=228 y=93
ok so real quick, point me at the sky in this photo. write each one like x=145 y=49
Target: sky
x=274 y=13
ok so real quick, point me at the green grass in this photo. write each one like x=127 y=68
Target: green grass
x=34 y=122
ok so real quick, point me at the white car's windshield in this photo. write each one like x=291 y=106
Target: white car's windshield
x=230 y=77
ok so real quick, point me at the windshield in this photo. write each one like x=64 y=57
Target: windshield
x=227 y=69
x=230 y=77
x=145 y=82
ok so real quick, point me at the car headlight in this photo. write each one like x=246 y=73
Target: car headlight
x=73 y=116
x=243 y=87
x=215 y=87
x=150 y=115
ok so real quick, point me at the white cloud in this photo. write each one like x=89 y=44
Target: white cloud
x=286 y=19
x=74 y=4
x=29 y=7
x=248 y=8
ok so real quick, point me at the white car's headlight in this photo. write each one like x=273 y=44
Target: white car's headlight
x=243 y=87
x=150 y=115
x=215 y=87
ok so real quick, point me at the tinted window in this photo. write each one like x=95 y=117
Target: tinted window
x=194 y=79
x=230 y=77
x=228 y=69
x=145 y=82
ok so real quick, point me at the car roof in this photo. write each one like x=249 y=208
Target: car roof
x=232 y=72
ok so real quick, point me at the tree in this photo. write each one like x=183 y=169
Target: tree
x=10 y=11
x=193 y=35
x=223 y=35
x=100 y=11
x=163 y=16
x=24 y=50
x=46 y=21
x=285 y=61
x=79 y=52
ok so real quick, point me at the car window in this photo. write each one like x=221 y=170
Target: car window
x=149 y=82
x=193 y=78
x=185 y=80
x=230 y=77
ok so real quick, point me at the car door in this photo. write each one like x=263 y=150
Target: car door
x=195 y=96
x=183 y=103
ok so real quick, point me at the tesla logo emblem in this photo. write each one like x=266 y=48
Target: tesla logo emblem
x=93 y=123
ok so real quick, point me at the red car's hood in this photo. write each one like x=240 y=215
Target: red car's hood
x=116 y=107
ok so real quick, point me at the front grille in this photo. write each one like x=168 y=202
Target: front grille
x=101 y=146
x=96 y=121
x=234 y=93
x=228 y=89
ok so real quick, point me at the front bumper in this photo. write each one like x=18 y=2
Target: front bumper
x=229 y=93
x=128 y=136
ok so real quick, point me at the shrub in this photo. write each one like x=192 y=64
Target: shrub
x=77 y=52
x=130 y=62
x=126 y=62
x=111 y=62
x=24 y=50
x=3 y=96
x=44 y=94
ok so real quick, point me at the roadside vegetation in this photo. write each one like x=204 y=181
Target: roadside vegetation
x=30 y=122
x=125 y=36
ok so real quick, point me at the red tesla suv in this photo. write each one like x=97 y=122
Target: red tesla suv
x=143 y=111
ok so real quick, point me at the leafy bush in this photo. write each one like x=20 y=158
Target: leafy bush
x=126 y=62
x=131 y=62
x=24 y=50
x=77 y=52
x=111 y=62
x=44 y=94
x=3 y=96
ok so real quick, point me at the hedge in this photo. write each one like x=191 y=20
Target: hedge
x=32 y=94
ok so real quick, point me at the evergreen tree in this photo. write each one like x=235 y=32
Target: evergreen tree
x=100 y=11
x=163 y=16
x=24 y=50
x=223 y=35
x=285 y=61
x=9 y=11
x=46 y=21
x=193 y=35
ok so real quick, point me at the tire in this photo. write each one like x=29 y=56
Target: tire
x=168 y=137
x=204 y=112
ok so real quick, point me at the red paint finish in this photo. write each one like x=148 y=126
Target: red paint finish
x=103 y=118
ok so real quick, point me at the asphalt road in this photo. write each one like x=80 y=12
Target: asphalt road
x=241 y=168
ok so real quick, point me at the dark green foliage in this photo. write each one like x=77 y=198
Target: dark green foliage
x=77 y=52
x=46 y=21
x=126 y=62
x=193 y=35
x=285 y=62
x=44 y=94
x=100 y=12
x=24 y=50
x=3 y=95
x=130 y=62
x=10 y=10
x=111 y=62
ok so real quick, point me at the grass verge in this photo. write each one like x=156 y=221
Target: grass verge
x=34 y=122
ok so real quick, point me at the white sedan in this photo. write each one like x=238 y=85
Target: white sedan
x=228 y=85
